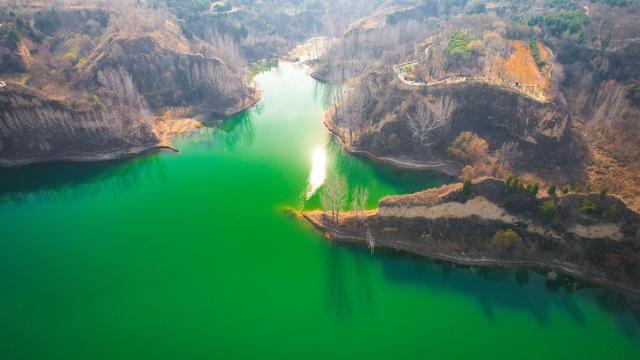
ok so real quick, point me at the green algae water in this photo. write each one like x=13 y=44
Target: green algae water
x=191 y=255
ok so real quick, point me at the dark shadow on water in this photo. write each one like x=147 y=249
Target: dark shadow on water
x=228 y=133
x=337 y=292
x=522 y=290
x=346 y=293
x=64 y=181
x=363 y=284
x=323 y=93
x=360 y=171
x=237 y=130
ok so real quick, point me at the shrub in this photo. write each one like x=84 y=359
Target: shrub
x=535 y=52
x=551 y=191
x=505 y=238
x=610 y=212
x=565 y=189
x=535 y=189
x=508 y=180
x=458 y=45
x=98 y=105
x=469 y=147
x=561 y=23
x=468 y=172
x=518 y=30
x=15 y=37
x=603 y=193
x=588 y=207
x=47 y=21
x=549 y=211
x=514 y=185
x=467 y=187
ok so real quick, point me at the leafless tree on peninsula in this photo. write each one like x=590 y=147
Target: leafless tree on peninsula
x=334 y=196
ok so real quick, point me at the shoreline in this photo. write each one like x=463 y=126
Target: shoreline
x=163 y=143
x=88 y=157
x=333 y=234
x=448 y=168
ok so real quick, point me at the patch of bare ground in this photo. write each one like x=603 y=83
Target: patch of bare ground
x=168 y=129
x=605 y=171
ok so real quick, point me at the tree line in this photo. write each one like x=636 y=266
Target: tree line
x=334 y=197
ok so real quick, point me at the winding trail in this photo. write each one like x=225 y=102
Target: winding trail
x=454 y=80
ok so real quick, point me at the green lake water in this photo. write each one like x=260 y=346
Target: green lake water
x=190 y=255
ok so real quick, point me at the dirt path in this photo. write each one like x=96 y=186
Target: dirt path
x=402 y=76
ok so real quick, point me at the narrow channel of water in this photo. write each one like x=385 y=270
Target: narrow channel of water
x=190 y=256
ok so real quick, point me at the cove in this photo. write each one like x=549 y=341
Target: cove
x=192 y=255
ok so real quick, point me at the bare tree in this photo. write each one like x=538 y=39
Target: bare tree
x=334 y=196
x=431 y=119
x=509 y=154
x=354 y=107
x=119 y=84
x=227 y=50
x=370 y=241
x=359 y=200
x=468 y=172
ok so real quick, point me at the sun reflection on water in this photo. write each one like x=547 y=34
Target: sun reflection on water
x=318 y=171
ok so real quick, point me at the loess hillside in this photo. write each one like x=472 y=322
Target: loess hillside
x=93 y=80
x=546 y=90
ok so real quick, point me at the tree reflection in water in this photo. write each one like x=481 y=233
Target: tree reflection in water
x=70 y=182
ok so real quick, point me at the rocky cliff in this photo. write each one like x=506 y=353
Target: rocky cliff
x=490 y=222
x=168 y=70
x=34 y=127
x=420 y=125
x=548 y=91
x=91 y=82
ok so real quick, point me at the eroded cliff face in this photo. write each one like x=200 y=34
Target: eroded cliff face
x=92 y=83
x=495 y=114
x=579 y=67
x=170 y=71
x=421 y=124
x=494 y=224
x=602 y=91
x=34 y=127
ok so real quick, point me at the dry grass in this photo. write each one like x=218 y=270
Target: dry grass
x=520 y=67
x=168 y=129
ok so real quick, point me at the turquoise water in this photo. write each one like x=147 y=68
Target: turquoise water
x=192 y=255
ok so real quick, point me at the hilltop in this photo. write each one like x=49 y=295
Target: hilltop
x=103 y=80
x=546 y=90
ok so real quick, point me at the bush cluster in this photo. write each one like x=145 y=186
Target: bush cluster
x=561 y=23
x=458 y=45
x=535 y=52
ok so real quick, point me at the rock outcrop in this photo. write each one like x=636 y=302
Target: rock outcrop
x=34 y=127
x=591 y=236
x=90 y=83
x=540 y=130
x=168 y=71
